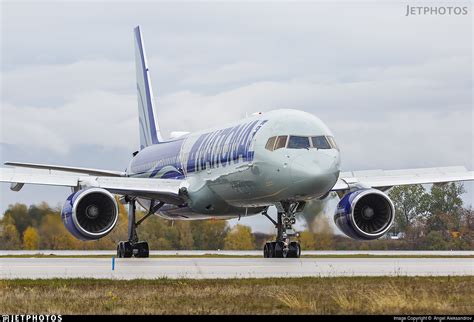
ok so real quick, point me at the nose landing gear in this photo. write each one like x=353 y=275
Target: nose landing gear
x=286 y=218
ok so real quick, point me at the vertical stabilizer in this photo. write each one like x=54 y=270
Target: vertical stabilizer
x=148 y=127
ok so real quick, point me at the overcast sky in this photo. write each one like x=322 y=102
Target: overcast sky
x=395 y=90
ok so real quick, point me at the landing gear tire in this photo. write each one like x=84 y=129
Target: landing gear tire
x=141 y=250
x=120 y=250
x=269 y=250
x=294 y=250
x=127 y=249
x=279 y=250
x=124 y=249
x=272 y=249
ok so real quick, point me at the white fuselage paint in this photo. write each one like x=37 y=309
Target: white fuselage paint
x=228 y=172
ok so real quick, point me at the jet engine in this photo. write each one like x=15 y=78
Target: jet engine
x=90 y=214
x=365 y=214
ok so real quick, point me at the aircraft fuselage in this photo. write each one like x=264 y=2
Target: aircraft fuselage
x=238 y=169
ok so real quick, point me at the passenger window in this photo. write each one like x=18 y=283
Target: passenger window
x=320 y=142
x=270 y=143
x=281 y=142
x=298 y=142
x=332 y=141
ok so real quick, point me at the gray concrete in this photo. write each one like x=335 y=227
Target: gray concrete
x=240 y=252
x=230 y=267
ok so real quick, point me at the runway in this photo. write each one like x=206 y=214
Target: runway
x=243 y=252
x=203 y=268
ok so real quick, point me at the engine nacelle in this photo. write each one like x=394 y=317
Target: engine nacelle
x=365 y=214
x=90 y=214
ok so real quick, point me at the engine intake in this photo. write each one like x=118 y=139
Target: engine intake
x=90 y=214
x=365 y=214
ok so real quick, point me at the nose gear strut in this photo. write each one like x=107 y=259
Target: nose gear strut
x=286 y=218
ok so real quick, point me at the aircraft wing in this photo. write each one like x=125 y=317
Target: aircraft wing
x=166 y=190
x=385 y=179
x=51 y=167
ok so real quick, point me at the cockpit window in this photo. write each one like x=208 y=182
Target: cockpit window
x=270 y=143
x=281 y=142
x=298 y=142
x=320 y=142
x=333 y=143
x=301 y=142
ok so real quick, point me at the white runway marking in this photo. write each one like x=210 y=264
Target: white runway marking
x=153 y=268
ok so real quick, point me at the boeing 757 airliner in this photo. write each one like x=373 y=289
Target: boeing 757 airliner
x=282 y=158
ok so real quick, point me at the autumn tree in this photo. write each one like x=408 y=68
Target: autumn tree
x=185 y=235
x=159 y=233
x=54 y=235
x=30 y=238
x=19 y=213
x=37 y=212
x=411 y=203
x=467 y=228
x=209 y=234
x=445 y=207
x=239 y=238
x=9 y=236
x=307 y=240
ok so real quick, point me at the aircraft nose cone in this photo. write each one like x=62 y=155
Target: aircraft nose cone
x=315 y=174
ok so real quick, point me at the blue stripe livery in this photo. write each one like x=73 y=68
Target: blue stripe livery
x=222 y=147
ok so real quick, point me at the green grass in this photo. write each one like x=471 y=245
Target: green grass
x=338 y=295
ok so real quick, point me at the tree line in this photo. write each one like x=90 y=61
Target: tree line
x=425 y=219
x=40 y=227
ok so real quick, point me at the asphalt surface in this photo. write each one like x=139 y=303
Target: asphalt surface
x=240 y=252
x=152 y=268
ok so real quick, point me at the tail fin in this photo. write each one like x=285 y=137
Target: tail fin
x=148 y=127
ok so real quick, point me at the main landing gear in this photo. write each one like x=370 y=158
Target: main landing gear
x=134 y=247
x=286 y=218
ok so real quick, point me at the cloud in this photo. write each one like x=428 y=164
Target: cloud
x=55 y=84
x=101 y=118
x=407 y=103
x=237 y=72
